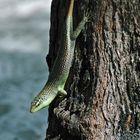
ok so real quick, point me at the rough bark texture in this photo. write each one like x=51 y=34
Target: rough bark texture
x=103 y=101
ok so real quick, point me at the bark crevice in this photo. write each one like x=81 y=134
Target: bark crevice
x=103 y=100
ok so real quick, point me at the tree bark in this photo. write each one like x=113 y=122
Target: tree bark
x=103 y=101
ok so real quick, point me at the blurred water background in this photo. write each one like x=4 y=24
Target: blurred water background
x=24 y=29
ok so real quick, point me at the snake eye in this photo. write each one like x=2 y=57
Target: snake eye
x=38 y=103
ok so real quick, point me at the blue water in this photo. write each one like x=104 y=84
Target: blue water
x=23 y=69
x=21 y=77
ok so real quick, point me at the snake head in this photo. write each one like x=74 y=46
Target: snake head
x=40 y=102
x=36 y=104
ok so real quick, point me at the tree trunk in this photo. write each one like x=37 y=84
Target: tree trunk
x=103 y=101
